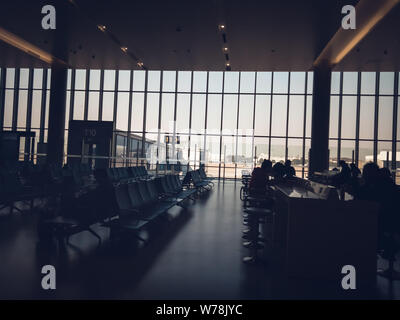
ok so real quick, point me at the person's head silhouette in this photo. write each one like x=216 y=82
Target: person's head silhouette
x=371 y=172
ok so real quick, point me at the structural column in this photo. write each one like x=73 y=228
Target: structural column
x=55 y=141
x=58 y=88
x=319 y=153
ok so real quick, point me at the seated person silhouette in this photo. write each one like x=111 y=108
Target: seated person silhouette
x=289 y=170
x=377 y=186
x=385 y=174
x=355 y=172
x=278 y=171
x=343 y=176
x=259 y=179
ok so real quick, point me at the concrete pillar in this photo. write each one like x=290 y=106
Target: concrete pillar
x=55 y=140
x=59 y=71
x=319 y=153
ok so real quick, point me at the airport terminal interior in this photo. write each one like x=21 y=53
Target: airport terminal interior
x=200 y=150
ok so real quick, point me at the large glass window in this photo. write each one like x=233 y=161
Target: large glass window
x=297 y=82
x=137 y=112
x=279 y=113
x=22 y=109
x=139 y=80
x=215 y=82
x=374 y=120
x=123 y=111
x=264 y=82
x=184 y=81
x=349 y=112
x=296 y=116
x=367 y=110
x=243 y=105
x=231 y=84
x=153 y=102
x=247 y=82
x=199 y=81
x=183 y=113
x=229 y=121
x=124 y=80
x=93 y=105
x=246 y=111
x=198 y=113
x=262 y=117
x=385 y=123
x=167 y=112
x=281 y=82
x=214 y=113
x=108 y=106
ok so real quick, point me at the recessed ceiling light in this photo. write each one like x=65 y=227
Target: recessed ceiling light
x=228 y=64
x=221 y=27
x=225 y=49
x=140 y=64
x=102 y=27
x=124 y=49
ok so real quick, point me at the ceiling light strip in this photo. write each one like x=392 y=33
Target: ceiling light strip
x=106 y=30
x=28 y=47
x=369 y=14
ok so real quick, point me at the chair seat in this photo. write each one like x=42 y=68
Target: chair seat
x=131 y=224
x=262 y=211
x=62 y=221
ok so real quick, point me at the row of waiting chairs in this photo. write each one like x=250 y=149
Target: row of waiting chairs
x=139 y=203
x=13 y=190
x=28 y=182
x=198 y=179
x=126 y=203
x=126 y=174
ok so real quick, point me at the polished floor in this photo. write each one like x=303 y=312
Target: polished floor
x=193 y=254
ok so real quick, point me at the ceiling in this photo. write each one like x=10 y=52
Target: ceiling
x=286 y=35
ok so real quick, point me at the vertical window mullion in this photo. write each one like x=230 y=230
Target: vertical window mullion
x=72 y=98
x=43 y=103
x=175 y=108
x=16 y=100
x=159 y=119
x=287 y=119
x=128 y=139
x=237 y=123
x=220 y=132
x=339 y=144
x=144 y=115
x=190 y=119
x=357 y=152
x=28 y=123
x=86 y=106
x=2 y=95
x=254 y=120
x=101 y=93
x=395 y=124
x=206 y=115
x=376 y=116
x=303 y=162
x=270 y=115
x=115 y=110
